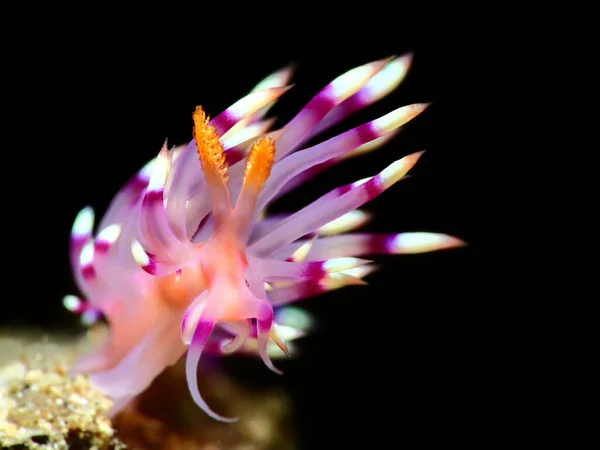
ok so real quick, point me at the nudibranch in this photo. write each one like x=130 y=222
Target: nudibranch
x=186 y=258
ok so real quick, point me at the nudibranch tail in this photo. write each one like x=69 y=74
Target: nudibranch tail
x=159 y=348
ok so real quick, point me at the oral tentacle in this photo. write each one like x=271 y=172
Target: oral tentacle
x=242 y=330
x=199 y=340
x=264 y=323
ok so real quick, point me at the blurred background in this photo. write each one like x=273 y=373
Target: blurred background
x=402 y=359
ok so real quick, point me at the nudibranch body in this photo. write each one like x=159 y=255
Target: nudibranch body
x=185 y=258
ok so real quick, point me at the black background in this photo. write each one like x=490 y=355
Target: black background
x=405 y=359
